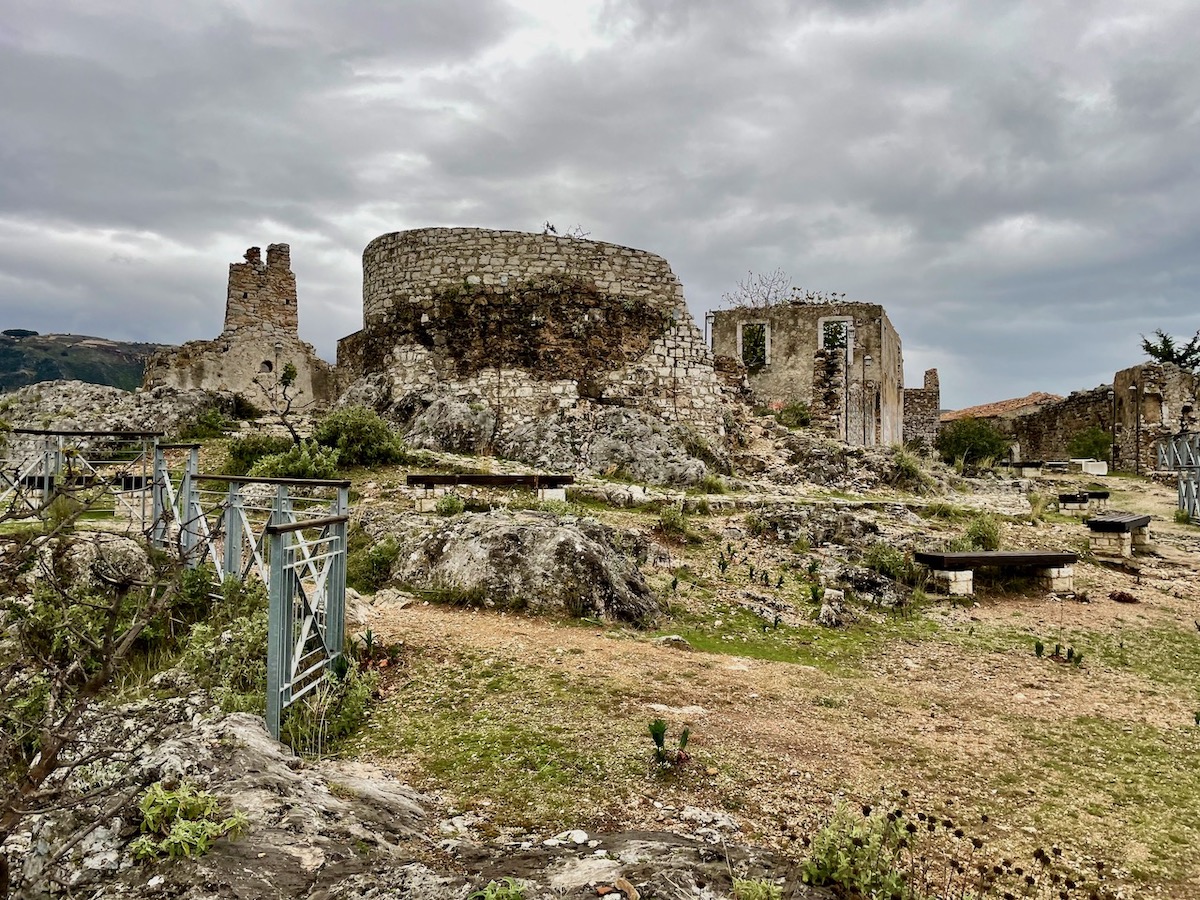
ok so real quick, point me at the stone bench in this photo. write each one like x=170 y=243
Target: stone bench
x=547 y=487
x=954 y=572
x=1118 y=533
x=1082 y=501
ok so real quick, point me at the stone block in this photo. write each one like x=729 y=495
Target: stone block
x=559 y=493
x=1059 y=579
x=1111 y=543
x=958 y=583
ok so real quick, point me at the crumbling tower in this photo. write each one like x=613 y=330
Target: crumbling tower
x=262 y=297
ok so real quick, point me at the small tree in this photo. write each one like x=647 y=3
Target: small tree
x=1164 y=349
x=760 y=291
x=970 y=440
x=1090 y=443
x=283 y=395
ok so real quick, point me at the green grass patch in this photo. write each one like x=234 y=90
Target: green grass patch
x=520 y=736
x=840 y=651
x=1133 y=783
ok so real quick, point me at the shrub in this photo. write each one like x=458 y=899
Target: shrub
x=983 y=533
x=245 y=451
x=672 y=522
x=1090 y=443
x=331 y=711
x=360 y=437
x=369 y=563
x=228 y=652
x=970 y=440
x=858 y=857
x=907 y=473
x=307 y=459
x=449 y=505
x=507 y=889
x=711 y=484
x=208 y=424
x=795 y=415
x=182 y=822
x=1182 y=517
x=756 y=889
x=891 y=563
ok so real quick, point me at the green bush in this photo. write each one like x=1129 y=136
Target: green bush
x=756 y=889
x=208 y=424
x=672 y=522
x=1182 y=517
x=305 y=460
x=970 y=440
x=360 y=437
x=858 y=856
x=1090 y=443
x=332 y=711
x=983 y=532
x=449 y=505
x=369 y=563
x=891 y=563
x=907 y=473
x=245 y=451
x=227 y=653
x=795 y=415
x=711 y=484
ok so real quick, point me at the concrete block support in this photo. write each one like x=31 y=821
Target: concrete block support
x=1060 y=579
x=1111 y=543
x=1141 y=538
x=958 y=583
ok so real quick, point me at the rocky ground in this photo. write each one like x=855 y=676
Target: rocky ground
x=538 y=640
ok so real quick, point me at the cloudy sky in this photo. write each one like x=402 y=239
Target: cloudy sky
x=1018 y=183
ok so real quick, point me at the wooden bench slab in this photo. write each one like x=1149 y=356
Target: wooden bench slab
x=957 y=562
x=1117 y=522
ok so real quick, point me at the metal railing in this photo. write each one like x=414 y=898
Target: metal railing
x=289 y=533
x=1181 y=453
x=106 y=471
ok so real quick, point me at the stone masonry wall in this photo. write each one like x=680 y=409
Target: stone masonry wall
x=262 y=297
x=1143 y=405
x=530 y=323
x=871 y=405
x=260 y=337
x=922 y=410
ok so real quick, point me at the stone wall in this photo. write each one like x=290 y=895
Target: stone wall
x=1152 y=401
x=529 y=324
x=1143 y=404
x=259 y=339
x=1046 y=433
x=922 y=411
x=794 y=366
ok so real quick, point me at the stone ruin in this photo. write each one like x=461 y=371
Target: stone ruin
x=521 y=326
x=844 y=360
x=260 y=337
x=1144 y=404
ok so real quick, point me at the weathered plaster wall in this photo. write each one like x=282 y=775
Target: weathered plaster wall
x=922 y=410
x=870 y=408
x=530 y=323
x=259 y=338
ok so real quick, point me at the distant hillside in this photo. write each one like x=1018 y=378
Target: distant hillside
x=27 y=358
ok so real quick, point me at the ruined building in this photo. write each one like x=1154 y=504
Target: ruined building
x=842 y=359
x=260 y=337
x=1143 y=404
x=525 y=325
x=922 y=412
